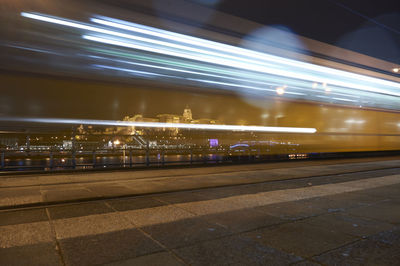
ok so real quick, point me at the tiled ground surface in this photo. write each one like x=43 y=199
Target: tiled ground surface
x=331 y=220
x=34 y=190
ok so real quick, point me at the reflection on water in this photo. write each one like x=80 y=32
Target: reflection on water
x=107 y=161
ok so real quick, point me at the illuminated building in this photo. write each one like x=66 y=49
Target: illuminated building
x=187 y=114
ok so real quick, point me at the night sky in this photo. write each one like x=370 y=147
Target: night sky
x=371 y=27
x=339 y=22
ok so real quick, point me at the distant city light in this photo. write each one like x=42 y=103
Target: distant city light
x=213 y=143
x=396 y=69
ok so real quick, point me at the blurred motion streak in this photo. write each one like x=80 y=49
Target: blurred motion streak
x=164 y=125
x=268 y=64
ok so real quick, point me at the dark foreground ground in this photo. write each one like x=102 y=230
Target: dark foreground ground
x=342 y=212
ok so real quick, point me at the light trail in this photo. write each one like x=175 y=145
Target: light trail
x=116 y=23
x=162 y=125
x=231 y=84
x=235 y=64
x=31 y=49
x=196 y=57
x=261 y=65
x=226 y=48
x=199 y=80
x=131 y=71
x=224 y=74
x=82 y=26
x=293 y=84
x=343 y=99
x=177 y=70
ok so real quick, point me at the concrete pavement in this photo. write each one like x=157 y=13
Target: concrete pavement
x=40 y=190
x=343 y=219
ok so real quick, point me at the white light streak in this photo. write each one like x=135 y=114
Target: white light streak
x=137 y=72
x=31 y=49
x=199 y=80
x=354 y=121
x=182 y=71
x=228 y=55
x=232 y=49
x=344 y=99
x=134 y=37
x=196 y=57
x=231 y=84
x=236 y=64
x=163 y=125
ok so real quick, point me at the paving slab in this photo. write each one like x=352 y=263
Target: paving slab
x=107 y=248
x=36 y=254
x=243 y=220
x=19 y=196
x=62 y=195
x=13 y=181
x=155 y=259
x=182 y=183
x=209 y=206
x=25 y=234
x=300 y=238
x=348 y=224
x=185 y=232
x=156 y=215
x=223 y=192
x=306 y=263
x=140 y=187
x=350 y=200
x=234 y=250
x=134 y=203
x=181 y=197
x=90 y=225
x=78 y=210
x=388 y=211
x=386 y=192
x=381 y=249
x=22 y=216
x=291 y=210
x=334 y=203
x=109 y=190
x=19 y=192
